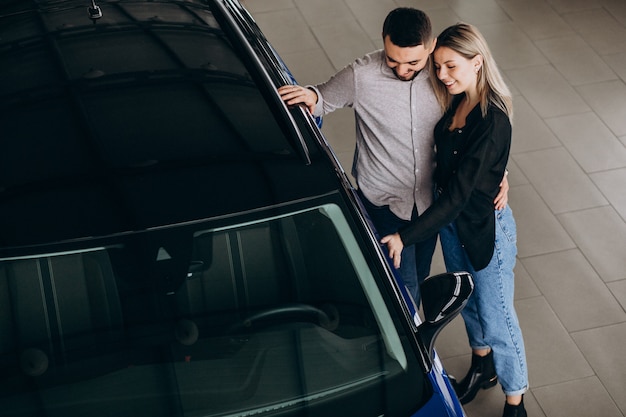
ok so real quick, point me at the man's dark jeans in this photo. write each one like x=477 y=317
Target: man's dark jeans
x=416 y=259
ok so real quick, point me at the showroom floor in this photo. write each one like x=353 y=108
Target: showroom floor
x=565 y=61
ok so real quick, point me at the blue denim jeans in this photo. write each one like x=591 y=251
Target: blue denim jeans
x=490 y=317
x=416 y=259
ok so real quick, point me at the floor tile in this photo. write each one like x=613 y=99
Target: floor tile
x=617 y=62
x=426 y=5
x=565 y=276
x=514 y=92
x=516 y=176
x=604 y=349
x=547 y=91
x=323 y=12
x=260 y=6
x=339 y=127
x=601 y=236
x=568 y=6
x=286 y=30
x=567 y=52
x=600 y=29
x=479 y=12
x=371 y=14
x=530 y=132
x=609 y=40
x=589 y=141
x=611 y=183
x=345 y=159
x=490 y=403
x=437 y=266
x=583 y=397
x=525 y=286
x=552 y=355
x=511 y=47
x=607 y=99
x=618 y=288
x=452 y=342
x=592 y=19
x=538 y=19
x=617 y=9
x=560 y=181
x=309 y=67
x=441 y=18
x=538 y=231
x=343 y=43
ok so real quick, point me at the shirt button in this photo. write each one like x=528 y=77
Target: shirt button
x=455 y=152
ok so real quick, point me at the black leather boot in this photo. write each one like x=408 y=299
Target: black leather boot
x=514 y=410
x=482 y=374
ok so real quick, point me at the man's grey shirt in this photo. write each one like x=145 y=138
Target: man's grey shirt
x=394 y=158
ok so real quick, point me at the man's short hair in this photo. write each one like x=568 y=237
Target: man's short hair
x=407 y=26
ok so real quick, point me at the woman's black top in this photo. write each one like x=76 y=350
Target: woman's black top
x=471 y=162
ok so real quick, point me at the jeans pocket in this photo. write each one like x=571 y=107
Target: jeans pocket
x=506 y=223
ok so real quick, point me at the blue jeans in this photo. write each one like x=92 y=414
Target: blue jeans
x=416 y=259
x=490 y=317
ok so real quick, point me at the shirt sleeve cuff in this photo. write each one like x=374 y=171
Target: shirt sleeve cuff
x=319 y=106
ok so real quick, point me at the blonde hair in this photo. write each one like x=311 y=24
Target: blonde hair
x=468 y=42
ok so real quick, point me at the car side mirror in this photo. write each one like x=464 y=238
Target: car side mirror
x=443 y=298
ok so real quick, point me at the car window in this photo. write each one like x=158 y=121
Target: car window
x=272 y=315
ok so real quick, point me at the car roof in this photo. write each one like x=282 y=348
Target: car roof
x=154 y=114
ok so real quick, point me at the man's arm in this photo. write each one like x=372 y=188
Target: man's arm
x=294 y=94
x=336 y=93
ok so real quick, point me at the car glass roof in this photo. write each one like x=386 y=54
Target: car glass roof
x=137 y=120
x=135 y=77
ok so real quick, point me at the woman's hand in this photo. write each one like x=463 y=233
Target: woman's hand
x=503 y=196
x=394 y=247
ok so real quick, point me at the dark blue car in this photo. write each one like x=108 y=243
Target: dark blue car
x=174 y=241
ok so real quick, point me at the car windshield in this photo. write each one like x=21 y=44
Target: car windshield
x=275 y=313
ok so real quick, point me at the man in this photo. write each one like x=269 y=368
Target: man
x=395 y=112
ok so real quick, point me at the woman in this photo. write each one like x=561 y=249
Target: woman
x=473 y=140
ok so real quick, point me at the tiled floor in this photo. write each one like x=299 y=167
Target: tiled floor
x=565 y=61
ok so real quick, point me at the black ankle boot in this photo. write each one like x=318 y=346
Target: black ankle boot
x=514 y=410
x=482 y=374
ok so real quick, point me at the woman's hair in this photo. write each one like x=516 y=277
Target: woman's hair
x=467 y=41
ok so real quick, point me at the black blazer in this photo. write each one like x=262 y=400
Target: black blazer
x=470 y=166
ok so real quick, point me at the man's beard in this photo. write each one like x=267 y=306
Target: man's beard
x=405 y=78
